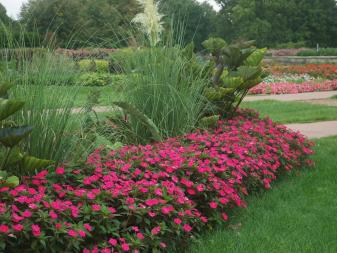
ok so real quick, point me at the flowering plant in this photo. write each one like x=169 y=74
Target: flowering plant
x=293 y=88
x=143 y=198
x=328 y=71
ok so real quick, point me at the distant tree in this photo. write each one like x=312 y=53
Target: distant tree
x=79 y=23
x=270 y=22
x=199 y=20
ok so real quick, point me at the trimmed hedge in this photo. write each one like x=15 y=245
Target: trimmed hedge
x=148 y=198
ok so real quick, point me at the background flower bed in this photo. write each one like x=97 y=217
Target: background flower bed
x=328 y=71
x=293 y=88
x=148 y=197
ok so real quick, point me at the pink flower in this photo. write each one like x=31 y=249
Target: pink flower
x=4 y=228
x=151 y=202
x=26 y=214
x=177 y=221
x=58 y=226
x=87 y=226
x=53 y=215
x=36 y=230
x=224 y=216
x=72 y=233
x=106 y=250
x=187 y=228
x=59 y=171
x=162 y=245
x=200 y=188
x=81 y=233
x=17 y=227
x=155 y=230
x=96 y=207
x=113 y=242
x=213 y=205
x=125 y=247
x=140 y=236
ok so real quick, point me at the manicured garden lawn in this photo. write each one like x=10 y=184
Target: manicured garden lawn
x=108 y=93
x=297 y=215
x=334 y=97
x=293 y=112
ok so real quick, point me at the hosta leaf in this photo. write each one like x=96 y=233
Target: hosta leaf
x=11 y=136
x=146 y=121
x=9 y=107
x=12 y=181
x=33 y=163
x=4 y=89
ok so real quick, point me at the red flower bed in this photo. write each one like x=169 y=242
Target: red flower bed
x=293 y=88
x=148 y=197
x=328 y=71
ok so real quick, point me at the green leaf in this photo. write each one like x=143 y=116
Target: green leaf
x=256 y=58
x=33 y=163
x=4 y=89
x=12 y=181
x=11 y=136
x=146 y=121
x=9 y=107
x=3 y=174
x=15 y=156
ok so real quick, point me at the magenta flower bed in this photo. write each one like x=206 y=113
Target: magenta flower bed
x=148 y=197
x=293 y=88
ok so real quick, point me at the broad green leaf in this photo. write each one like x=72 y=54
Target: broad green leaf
x=33 y=163
x=146 y=121
x=12 y=181
x=11 y=136
x=256 y=58
x=9 y=107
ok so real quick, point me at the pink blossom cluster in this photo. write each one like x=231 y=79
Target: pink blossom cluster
x=293 y=88
x=144 y=198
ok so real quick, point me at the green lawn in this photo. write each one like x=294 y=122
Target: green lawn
x=108 y=94
x=334 y=97
x=291 y=112
x=297 y=216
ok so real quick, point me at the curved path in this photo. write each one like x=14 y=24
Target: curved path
x=311 y=130
x=316 y=130
x=293 y=97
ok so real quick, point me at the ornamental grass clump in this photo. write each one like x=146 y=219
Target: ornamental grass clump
x=148 y=198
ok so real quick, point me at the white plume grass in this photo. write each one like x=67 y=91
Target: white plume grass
x=150 y=21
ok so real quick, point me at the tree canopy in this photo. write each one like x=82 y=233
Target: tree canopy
x=80 y=23
x=280 y=21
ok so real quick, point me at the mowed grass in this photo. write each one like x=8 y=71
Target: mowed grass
x=293 y=112
x=107 y=95
x=298 y=215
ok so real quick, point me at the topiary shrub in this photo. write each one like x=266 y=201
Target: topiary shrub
x=100 y=66
x=94 y=79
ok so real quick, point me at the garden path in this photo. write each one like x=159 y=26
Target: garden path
x=294 y=97
x=317 y=129
x=311 y=130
